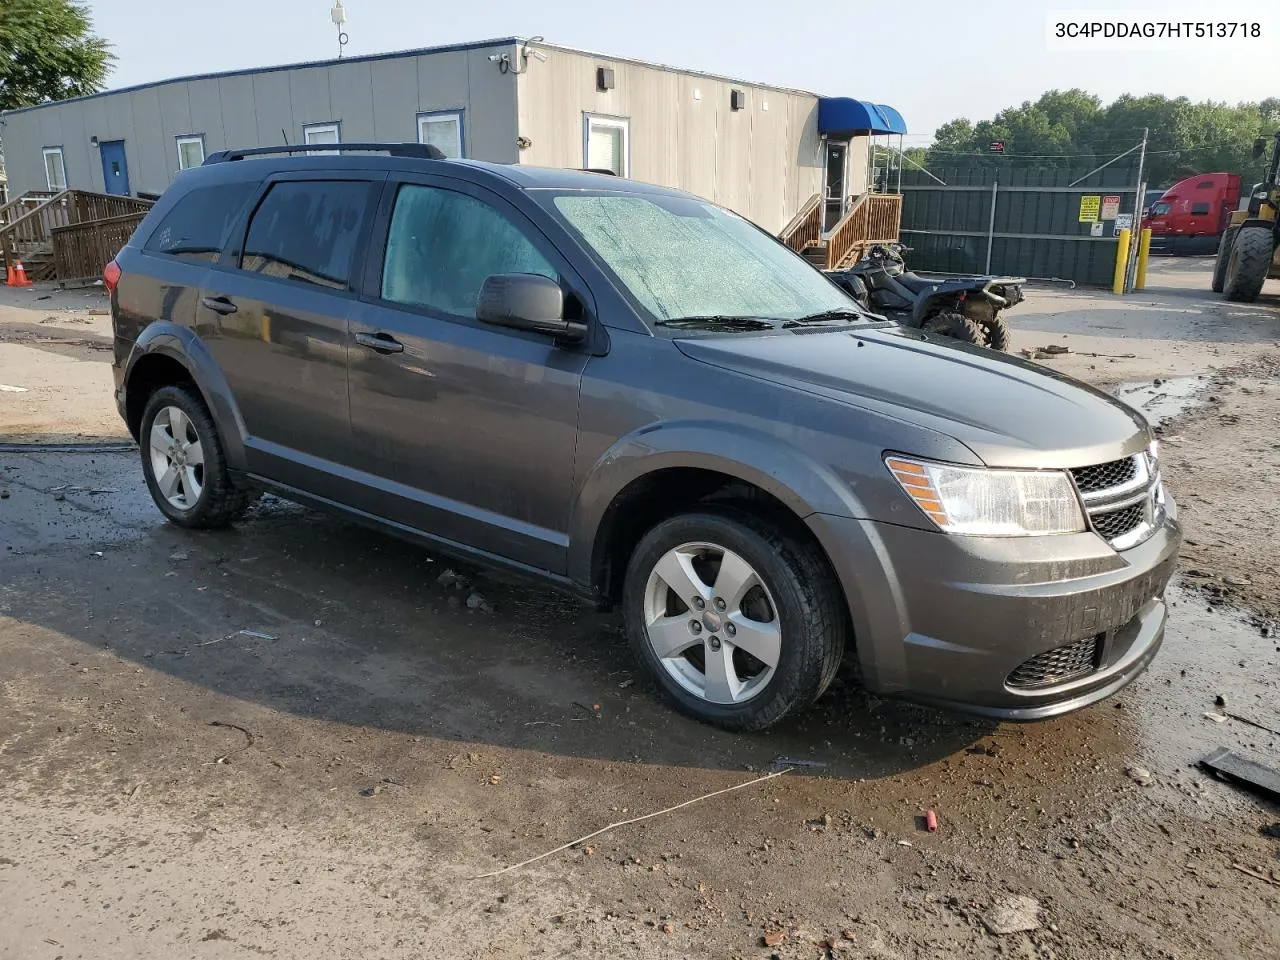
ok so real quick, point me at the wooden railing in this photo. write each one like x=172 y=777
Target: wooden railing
x=805 y=228
x=32 y=232
x=23 y=204
x=872 y=218
x=82 y=250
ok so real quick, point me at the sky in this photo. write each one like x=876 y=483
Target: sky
x=934 y=60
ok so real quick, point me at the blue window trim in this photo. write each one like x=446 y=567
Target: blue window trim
x=458 y=112
x=177 y=146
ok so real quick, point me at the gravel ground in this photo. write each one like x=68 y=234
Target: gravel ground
x=334 y=781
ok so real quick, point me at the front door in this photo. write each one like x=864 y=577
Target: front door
x=837 y=154
x=467 y=430
x=115 y=171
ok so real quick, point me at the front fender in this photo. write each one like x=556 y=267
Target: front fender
x=805 y=485
x=182 y=345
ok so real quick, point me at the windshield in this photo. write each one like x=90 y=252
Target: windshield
x=679 y=257
x=1159 y=209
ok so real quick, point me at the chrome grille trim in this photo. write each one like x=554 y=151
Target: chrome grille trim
x=1110 y=509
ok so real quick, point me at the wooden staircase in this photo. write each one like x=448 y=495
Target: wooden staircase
x=30 y=226
x=871 y=218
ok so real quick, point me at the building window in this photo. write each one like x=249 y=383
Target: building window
x=321 y=133
x=606 y=144
x=442 y=130
x=190 y=151
x=55 y=168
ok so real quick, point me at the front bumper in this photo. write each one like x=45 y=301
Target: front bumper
x=946 y=619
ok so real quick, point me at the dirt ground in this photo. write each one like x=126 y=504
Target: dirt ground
x=334 y=781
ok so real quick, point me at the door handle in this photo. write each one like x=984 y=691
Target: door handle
x=219 y=305
x=381 y=342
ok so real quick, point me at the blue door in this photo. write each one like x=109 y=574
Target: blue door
x=115 y=172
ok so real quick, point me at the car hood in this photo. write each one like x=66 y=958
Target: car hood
x=1007 y=411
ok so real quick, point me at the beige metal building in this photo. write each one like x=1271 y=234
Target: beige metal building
x=762 y=151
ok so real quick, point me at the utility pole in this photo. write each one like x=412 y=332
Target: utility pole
x=1136 y=235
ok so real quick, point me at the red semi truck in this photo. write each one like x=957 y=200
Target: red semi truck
x=1191 y=215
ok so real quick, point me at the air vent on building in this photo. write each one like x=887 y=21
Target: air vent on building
x=604 y=78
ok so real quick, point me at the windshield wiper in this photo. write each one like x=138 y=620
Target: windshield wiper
x=721 y=321
x=826 y=316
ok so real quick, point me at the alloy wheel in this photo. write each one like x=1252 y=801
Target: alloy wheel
x=712 y=623
x=177 y=457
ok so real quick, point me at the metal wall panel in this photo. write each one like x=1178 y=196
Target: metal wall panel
x=149 y=159
x=490 y=125
x=683 y=132
x=309 y=99
x=239 y=112
x=350 y=102
x=394 y=99
x=206 y=114
x=273 y=113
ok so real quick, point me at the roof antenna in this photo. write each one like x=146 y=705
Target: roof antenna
x=339 y=16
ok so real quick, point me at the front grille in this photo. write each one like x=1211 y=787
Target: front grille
x=1105 y=475
x=1119 y=522
x=1058 y=665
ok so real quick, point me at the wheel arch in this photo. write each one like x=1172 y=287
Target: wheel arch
x=646 y=478
x=166 y=354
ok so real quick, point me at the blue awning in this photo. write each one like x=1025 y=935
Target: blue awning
x=845 y=117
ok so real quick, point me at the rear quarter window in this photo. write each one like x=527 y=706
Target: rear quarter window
x=1199 y=209
x=197 y=226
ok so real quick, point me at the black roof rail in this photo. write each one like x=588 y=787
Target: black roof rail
x=607 y=173
x=423 y=151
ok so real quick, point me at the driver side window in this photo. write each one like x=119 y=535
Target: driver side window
x=443 y=245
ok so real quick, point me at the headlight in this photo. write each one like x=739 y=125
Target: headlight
x=992 y=503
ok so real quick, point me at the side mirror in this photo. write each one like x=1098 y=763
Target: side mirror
x=1259 y=147
x=526 y=301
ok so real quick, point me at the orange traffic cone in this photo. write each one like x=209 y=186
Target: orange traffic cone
x=9 y=275
x=20 y=276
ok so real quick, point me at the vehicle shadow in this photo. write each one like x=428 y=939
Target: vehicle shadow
x=354 y=627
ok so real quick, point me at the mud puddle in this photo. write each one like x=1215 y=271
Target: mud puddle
x=1162 y=400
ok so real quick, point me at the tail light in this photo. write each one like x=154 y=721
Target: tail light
x=111 y=276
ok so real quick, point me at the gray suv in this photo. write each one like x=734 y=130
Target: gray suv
x=640 y=397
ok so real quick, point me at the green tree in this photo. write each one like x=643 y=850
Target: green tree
x=48 y=51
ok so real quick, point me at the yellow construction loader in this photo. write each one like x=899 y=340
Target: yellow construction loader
x=1250 y=249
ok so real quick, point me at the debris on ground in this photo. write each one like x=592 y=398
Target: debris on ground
x=773 y=938
x=1013 y=915
x=1255 y=874
x=179 y=555
x=1140 y=775
x=1236 y=768
x=793 y=762
x=821 y=823
x=1270 y=830
x=1219 y=701
x=930 y=821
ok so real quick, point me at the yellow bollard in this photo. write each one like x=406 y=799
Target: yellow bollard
x=1122 y=260
x=1144 y=250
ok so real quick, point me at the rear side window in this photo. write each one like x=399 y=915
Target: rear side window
x=1199 y=209
x=443 y=245
x=306 y=231
x=197 y=226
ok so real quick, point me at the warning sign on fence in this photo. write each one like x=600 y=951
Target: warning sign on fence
x=1124 y=221
x=1089 y=207
x=1110 y=208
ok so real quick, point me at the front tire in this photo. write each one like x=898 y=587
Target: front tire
x=183 y=462
x=1224 y=258
x=739 y=624
x=1248 y=265
x=957 y=326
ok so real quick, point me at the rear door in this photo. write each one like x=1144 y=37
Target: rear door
x=465 y=431
x=275 y=311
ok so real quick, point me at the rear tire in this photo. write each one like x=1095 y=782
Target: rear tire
x=792 y=614
x=1248 y=264
x=1224 y=258
x=957 y=326
x=183 y=462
